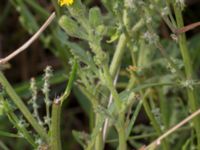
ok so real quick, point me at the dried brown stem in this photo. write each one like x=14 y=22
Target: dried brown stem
x=187 y=28
x=157 y=142
x=30 y=41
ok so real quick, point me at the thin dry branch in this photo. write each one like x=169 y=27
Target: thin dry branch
x=106 y=123
x=187 y=28
x=157 y=142
x=30 y=41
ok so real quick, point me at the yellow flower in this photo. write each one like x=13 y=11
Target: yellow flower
x=65 y=2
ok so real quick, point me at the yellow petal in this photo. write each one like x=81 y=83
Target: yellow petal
x=65 y=2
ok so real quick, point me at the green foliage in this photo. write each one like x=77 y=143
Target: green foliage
x=121 y=68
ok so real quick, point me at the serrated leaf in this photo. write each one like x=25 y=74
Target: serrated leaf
x=113 y=38
x=81 y=54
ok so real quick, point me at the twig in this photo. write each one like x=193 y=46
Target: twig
x=187 y=28
x=157 y=142
x=30 y=41
x=109 y=104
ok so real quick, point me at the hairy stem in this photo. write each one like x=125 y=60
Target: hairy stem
x=122 y=133
x=55 y=126
x=121 y=47
x=193 y=103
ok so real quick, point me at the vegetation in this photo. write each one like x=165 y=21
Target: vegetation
x=129 y=67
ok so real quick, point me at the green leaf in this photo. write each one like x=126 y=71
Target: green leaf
x=81 y=54
x=70 y=26
x=7 y=134
x=95 y=18
x=83 y=100
x=114 y=37
x=81 y=137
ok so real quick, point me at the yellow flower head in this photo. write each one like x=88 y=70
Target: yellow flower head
x=65 y=2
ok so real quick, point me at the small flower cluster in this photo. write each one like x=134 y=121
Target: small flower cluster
x=188 y=84
x=47 y=76
x=46 y=89
x=33 y=100
x=151 y=38
x=65 y=2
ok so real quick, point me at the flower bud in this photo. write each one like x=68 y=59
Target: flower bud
x=95 y=18
x=71 y=27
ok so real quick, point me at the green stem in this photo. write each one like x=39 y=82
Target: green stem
x=91 y=119
x=183 y=45
x=70 y=81
x=13 y=118
x=55 y=126
x=56 y=110
x=115 y=64
x=164 y=109
x=99 y=139
x=8 y=134
x=193 y=103
x=112 y=88
x=153 y=121
x=122 y=133
x=121 y=47
x=133 y=119
x=151 y=116
x=149 y=85
x=116 y=61
x=22 y=107
x=122 y=139
x=16 y=122
x=47 y=103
